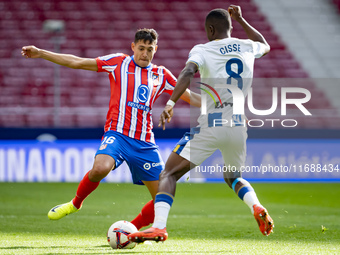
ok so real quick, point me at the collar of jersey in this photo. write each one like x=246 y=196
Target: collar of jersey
x=216 y=40
x=133 y=59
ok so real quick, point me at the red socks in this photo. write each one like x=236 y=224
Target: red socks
x=85 y=188
x=146 y=216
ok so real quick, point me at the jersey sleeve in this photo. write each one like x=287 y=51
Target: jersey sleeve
x=170 y=81
x=196 y=56
x=109 y=63
x=258 y=49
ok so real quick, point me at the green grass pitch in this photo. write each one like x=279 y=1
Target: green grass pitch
x=204 y=219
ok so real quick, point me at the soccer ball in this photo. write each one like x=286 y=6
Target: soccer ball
x=117 y=235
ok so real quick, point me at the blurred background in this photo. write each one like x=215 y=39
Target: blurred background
x=38 y=97
x=304 y=37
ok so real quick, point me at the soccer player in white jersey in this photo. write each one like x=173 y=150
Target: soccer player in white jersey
x=231 y=60
x=135 y=85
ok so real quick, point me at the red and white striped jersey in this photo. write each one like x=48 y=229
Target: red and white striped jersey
x=134 y=90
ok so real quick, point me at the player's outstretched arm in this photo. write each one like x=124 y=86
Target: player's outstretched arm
x=252 y=33
x=191 y=98
x=67 y=60
x=183 y=83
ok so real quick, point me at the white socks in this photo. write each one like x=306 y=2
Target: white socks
x=250 y=199
x=161 y=215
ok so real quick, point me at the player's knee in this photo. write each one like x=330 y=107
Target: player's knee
x=173 y=174
x=99 y=171
x=166 y=174
x=163 y=175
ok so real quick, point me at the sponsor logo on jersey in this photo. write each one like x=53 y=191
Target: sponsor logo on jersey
x=225 y=104
x=143 y=93
x=139 y=106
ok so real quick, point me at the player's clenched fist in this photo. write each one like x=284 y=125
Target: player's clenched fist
x=30 y=52
x=235 y=12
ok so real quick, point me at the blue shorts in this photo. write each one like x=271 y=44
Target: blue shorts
x=143 y=158
x=185 y=139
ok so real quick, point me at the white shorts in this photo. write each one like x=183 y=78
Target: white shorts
x=200 y=144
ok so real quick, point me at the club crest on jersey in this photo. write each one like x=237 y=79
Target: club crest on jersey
x=103 y=147
x=155 y=78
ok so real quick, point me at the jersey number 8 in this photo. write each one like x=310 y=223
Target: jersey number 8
x=232 y=74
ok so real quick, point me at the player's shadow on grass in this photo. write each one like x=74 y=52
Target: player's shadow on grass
x=100 y=251
x=157 y=251
x=30 y=247
x=19 y=249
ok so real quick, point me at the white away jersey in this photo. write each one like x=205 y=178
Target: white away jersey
x=222 y=63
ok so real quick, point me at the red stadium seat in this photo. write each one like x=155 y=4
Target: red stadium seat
x=12 y=120
x=39 y=120
x=85 y=120
x=67 y=120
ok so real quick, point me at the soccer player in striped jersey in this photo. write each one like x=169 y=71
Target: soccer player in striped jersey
x=230 y=60
x=135 y=85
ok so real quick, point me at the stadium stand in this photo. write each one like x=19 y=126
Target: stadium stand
x=95 y=28
x=337 y=4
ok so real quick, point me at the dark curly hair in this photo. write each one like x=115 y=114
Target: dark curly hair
x=146 y=35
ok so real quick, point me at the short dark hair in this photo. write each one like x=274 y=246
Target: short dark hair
x=220 y=19
x=146 y=35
